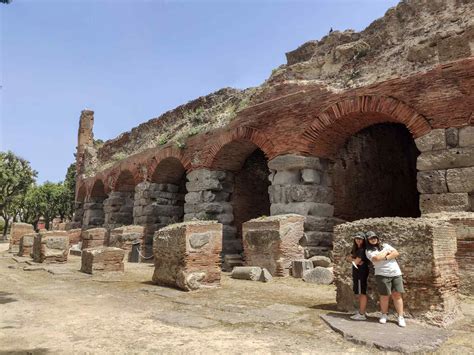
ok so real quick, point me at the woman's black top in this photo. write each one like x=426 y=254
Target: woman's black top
x=360 y=253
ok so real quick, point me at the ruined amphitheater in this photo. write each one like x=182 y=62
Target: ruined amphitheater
x=375 y=126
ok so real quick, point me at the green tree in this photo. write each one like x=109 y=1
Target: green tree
x=16 y=176
x=70 y=190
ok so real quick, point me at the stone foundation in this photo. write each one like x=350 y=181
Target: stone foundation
x=95 y=237
x=102 y=259
x=273 y=242
x=118 y=209
x=187 y=255
x=93 y=213
x=26 y=245
x=125 y=238
x=427 y=259
x=51 y=247
x=17 y=231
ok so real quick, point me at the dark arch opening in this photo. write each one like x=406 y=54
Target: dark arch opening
x=374 y=174
x=118 y=207
x=94 y=207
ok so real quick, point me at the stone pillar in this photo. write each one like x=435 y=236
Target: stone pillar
x=155 y=206
x=302 y=185
x=78 y=215
x=208 y=198
x=445 y=166
x=93 y=215
x=17 y=231
x=118 y=209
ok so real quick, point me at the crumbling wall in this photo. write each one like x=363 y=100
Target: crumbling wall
x=50 y=247
x=273 y=242
x=93 y=213
x=118 y=209
x=427 y=250
x=16 y=232
x=187 y=255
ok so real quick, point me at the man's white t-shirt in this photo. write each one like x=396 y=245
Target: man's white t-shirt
x=384 y=267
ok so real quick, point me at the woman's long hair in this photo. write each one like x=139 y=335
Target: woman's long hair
x=355 y=247
x=377 y=246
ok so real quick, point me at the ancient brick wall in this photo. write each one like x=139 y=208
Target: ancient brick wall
x=17 y=231
x=427 y=250
x=51 y=247
x=187 y=255
x=94 y=237
x=26 y=245
x=273 y=242
x=125 y=238
x=102 y=259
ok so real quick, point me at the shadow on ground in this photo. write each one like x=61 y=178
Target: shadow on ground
x=4 y=298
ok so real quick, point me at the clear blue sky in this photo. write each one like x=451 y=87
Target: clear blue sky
x=130 y=61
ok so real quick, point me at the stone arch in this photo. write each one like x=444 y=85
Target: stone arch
x=125 y=181
x=332 y=127
x=231 y=148
x=81 y=192
x=173 y=159
x=98 y=189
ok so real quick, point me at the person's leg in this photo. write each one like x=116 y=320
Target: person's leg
x=384 y=303
x=398 y=302
x=362 y=303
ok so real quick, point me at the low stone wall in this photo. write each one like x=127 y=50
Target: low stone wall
x=17 y=231
x=187 y=255
x=427 y=259
x=26 y=245
x=464 y=223
x=102 y=259
x=95 y=237
x=273 y=242
x=446 y=170
x=125 y=237
x=51 y=247
x=74 y=236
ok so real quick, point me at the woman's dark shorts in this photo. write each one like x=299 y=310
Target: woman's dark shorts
x=359 y=280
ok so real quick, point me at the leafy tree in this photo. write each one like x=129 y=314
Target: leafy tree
x=16 y=176
x=70 y=190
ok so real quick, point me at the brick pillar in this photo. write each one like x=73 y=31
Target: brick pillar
x=302 y=185
x=93 y=215
x=78 y=215
x=445 y=166
x=118 y=209
x=156 y=206
x=208 y=198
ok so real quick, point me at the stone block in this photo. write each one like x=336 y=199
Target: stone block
x=74 y=236
x=316 y=251
x=265 y=276
x=51 y=247
x=448 y=202
x=102 y=259
x=321 y=224
x=427 y=250
x=94 y=237
x=26 y=244
x=460 y=180
x=319 y=275
x=466 y=136
x=446 y=159
x=125 y=238
x=16 y=232
x=194 y=186
x=251 y=273
x=300 y=193
x=318 y=239
x=311 y=176
x=187 y=255
x=320 y=260
x=432 y=182
x=205 y=174
x=287 y=177
x=434 y=140
x=298 y=267
x=452 y=137
x=303 y=208
x=213 y=207
x=273 y=242
x=295 y=162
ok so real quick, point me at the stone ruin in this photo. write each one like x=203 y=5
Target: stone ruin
x=17 y=231
x=187 y=255
x=356 y=125
x=102 y=259
x=273 y=242
x=50 y=247
x=427 y=259
x=128 y=238
x=26 y=245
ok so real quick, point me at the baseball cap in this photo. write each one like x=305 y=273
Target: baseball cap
x=371 y=234
x=359 y=235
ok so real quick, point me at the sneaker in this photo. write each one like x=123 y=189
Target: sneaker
x=358 y=316
x=401 y=322
x=383 y=319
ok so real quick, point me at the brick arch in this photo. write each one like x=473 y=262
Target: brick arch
x=125 y=180
x=338 y=122
x=168 y=154
x=82 y=192
x=98 y=189
x=239 y=142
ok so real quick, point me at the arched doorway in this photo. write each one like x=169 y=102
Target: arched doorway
x=93 y=207
x=118 y=207
x=374 y=174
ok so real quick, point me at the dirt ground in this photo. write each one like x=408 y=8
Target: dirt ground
x=61 y=310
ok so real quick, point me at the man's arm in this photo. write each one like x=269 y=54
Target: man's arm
x=389 y=254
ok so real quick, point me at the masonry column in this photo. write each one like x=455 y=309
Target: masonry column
x=302 y=185
x=155 y=207
x=118 y=209
x=208 y=198
x=445 y=166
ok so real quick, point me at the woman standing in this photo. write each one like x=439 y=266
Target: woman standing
x=360 y=273
x=388 y=276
